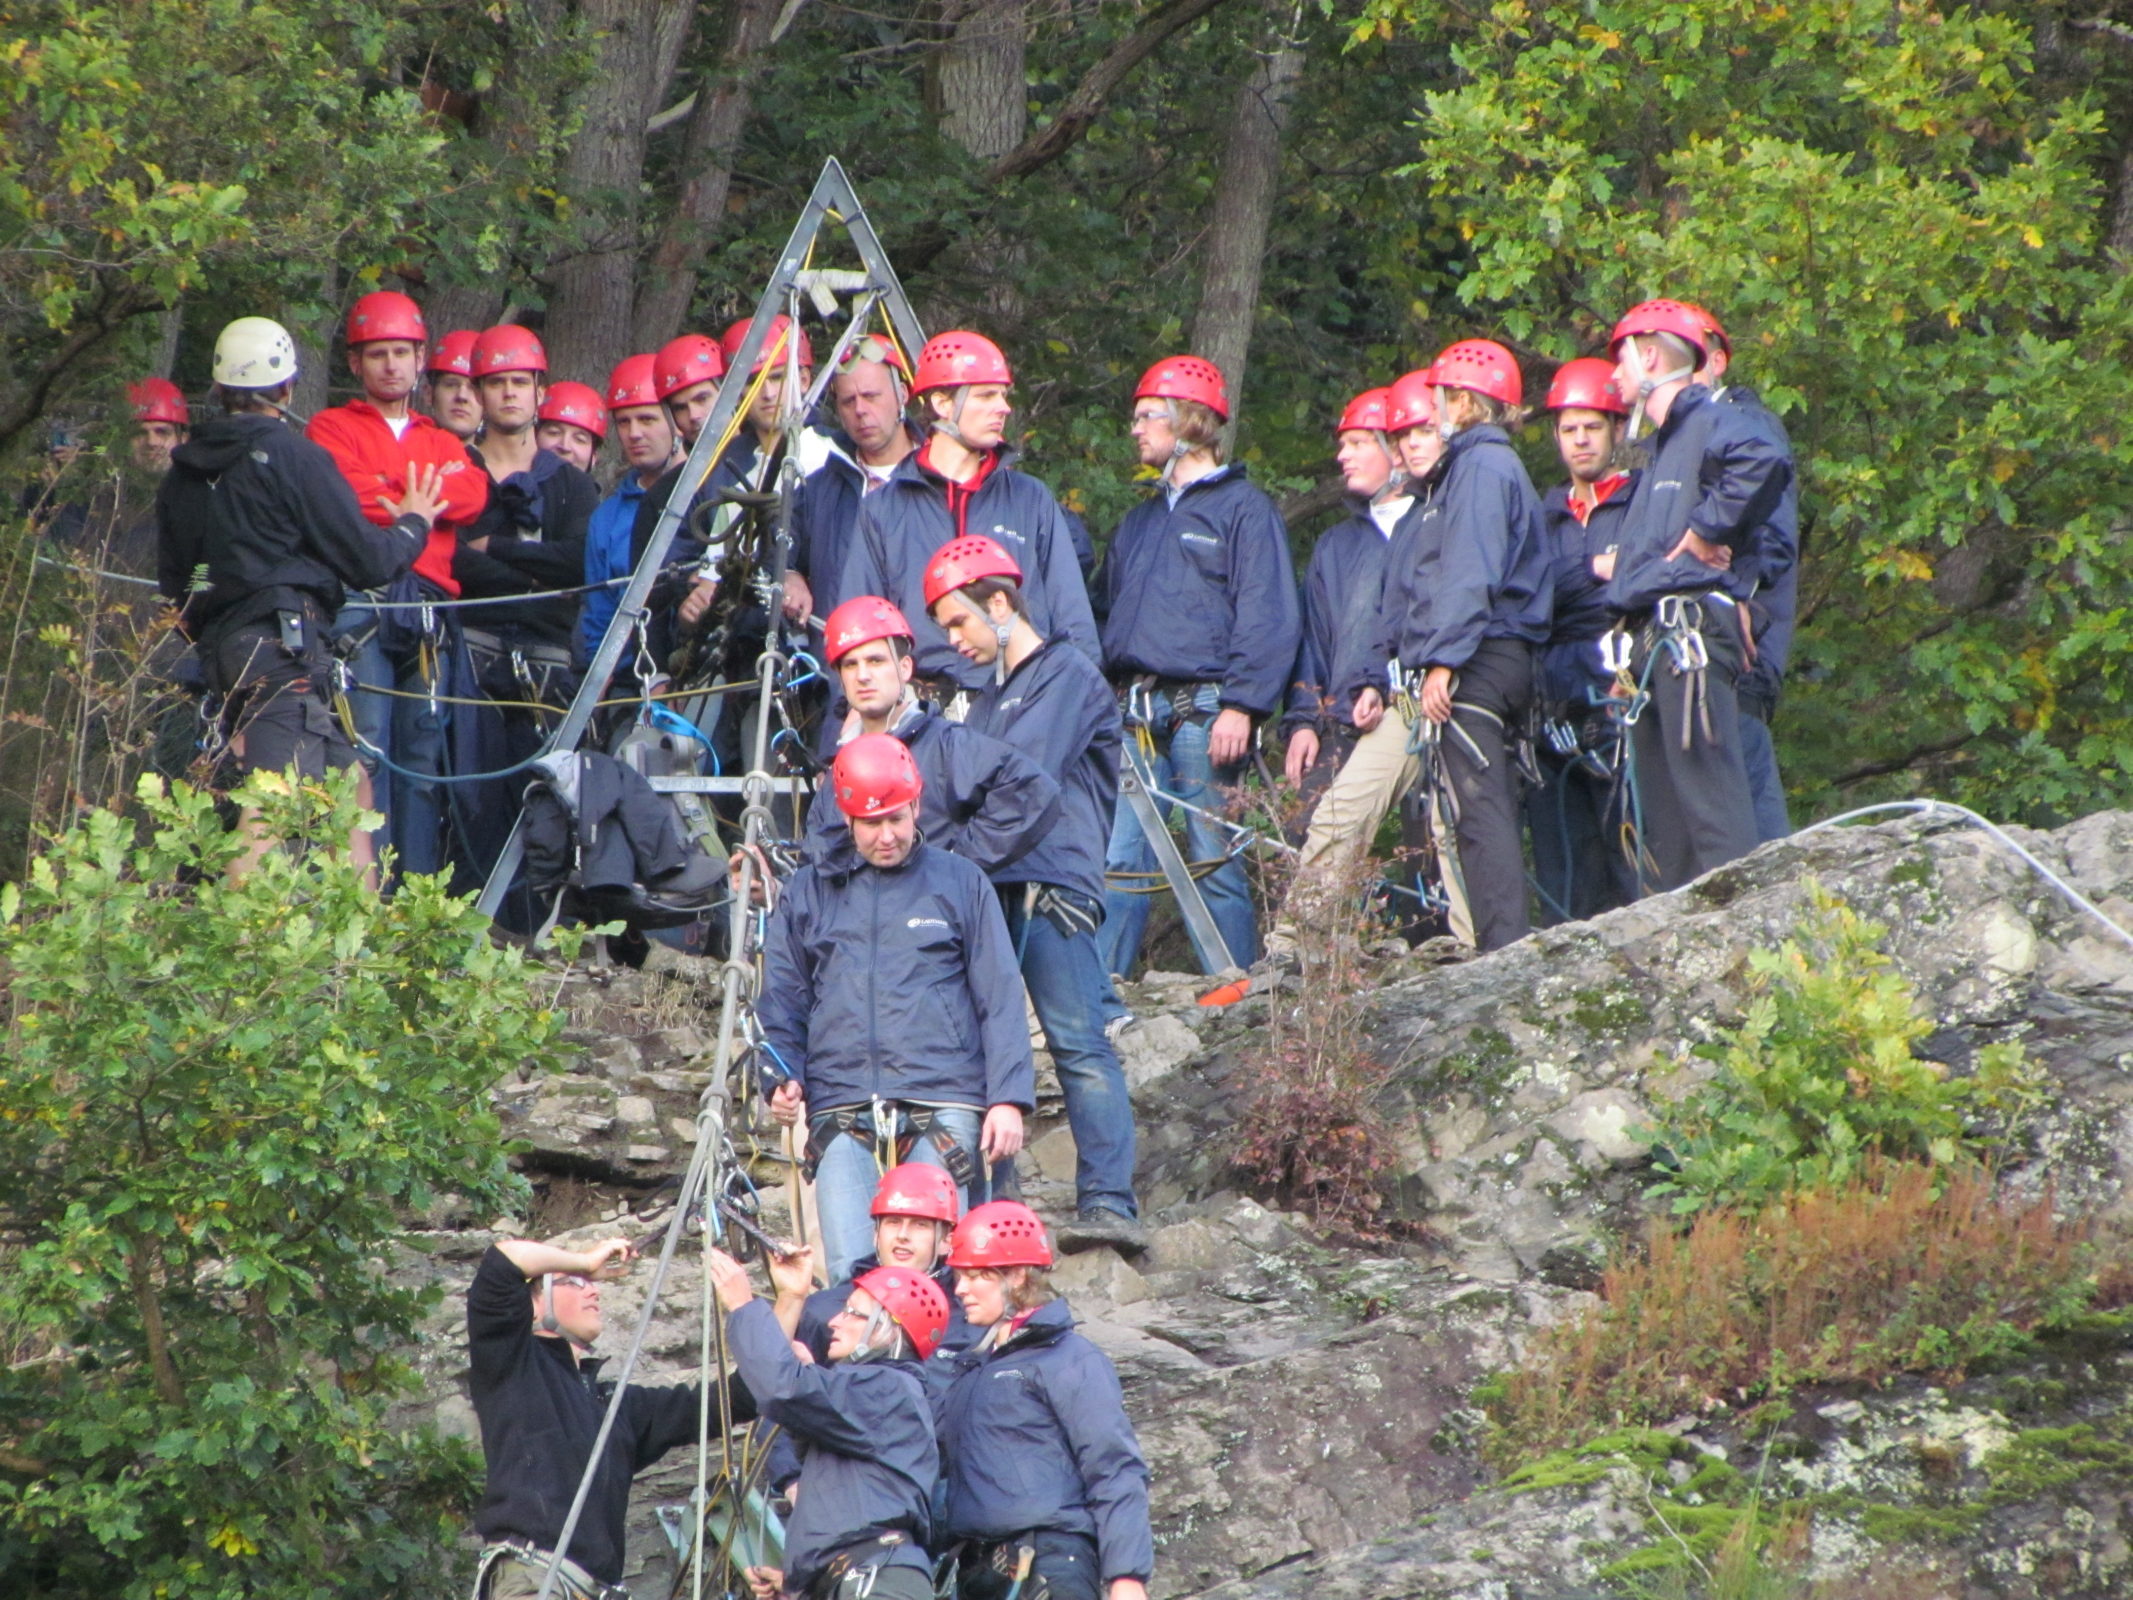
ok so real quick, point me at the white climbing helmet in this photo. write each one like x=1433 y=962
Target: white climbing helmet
x=254 y=353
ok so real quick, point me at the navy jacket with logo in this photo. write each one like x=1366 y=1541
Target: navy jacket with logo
x=1342 y=588
x=1469 y=562
x=1570 y=662
x=902 y=523
x=1715 y=469
x=1203 y=591
x=868 y=1461
x=982 y=800
x=899 y=983
x=1057 y=710
x=1034 y=1435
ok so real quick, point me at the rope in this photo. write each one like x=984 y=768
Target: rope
x=362 y=602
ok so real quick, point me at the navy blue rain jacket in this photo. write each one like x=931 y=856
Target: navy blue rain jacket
x=1716 y=469
x=903 y=522
x=901 y=984
x=1342 y=588
x=1570 y=662
x=1203 y=591
x=982 y=800
x=868 y=1462
x=1775 y=569
x=1469 y=562
x=1057 y=710
x=1034 y=1434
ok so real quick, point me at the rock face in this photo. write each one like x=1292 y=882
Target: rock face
x=1305 y=1404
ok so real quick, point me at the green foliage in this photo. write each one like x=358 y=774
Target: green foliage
x=1822 y=1077
x=219 y=1104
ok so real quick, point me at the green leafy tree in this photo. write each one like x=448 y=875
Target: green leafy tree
x=220 y=1103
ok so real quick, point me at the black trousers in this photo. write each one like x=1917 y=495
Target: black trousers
x=1064 y=1569
x=1574 y=819
x=1490 y=695
x=1696 y=812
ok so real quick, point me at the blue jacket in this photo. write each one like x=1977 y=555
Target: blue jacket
x=1775 y=569
x=868 y=1461
x=982 y=800
x=1570 y=662
x=1342 y=588
x=1716 y=469
x=824 y=514
x=1469 y=562
x=1203 y=591
x=901 y=984
x=903 y=522
x=1034 y=1434
x=607 y=555
x=1057 y=710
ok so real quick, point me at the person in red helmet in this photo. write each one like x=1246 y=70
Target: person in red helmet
x=1716 y=478
x=572 y=421
x=869 y=395
x=984 y=801
x=1052 y=704
x=1200 y=629
x=454 y=402
x=646 y=435
x=962 y=479
x=1037 y=1452
x=891 y=1005
x=862 y=1513
x=1574 y=814
x=161 y=422
x=378 y=442
x=915 y=1208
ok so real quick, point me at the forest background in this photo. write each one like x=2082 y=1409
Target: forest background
x=1916 y=220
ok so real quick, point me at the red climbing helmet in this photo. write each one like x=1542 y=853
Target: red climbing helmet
x=158 y=400
x=961 y=562
x=861 y=620
x=508 y=348
x=1677 y=317
x=630 y=384
x=874 y=774
x=1481 y=365
x=1715 y=332
x=1587 y=383
x=876 y=347
x=1186 y=378
x=914 y=1300
x=1411 y=402
x=917 y=1190
x=729 y=344
x=1371 y=410
x=684 y=362
x=999 y=1233
x=455 y=353
x=576 y=403
x=386 y=314
x=951 y=360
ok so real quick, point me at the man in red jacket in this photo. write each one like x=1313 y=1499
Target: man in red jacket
x=378 y=442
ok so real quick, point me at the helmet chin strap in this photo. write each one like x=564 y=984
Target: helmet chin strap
x=549 y=1324
x=1001 y=633
x=866 y=1349
x=953 y=424
x=1633 y=430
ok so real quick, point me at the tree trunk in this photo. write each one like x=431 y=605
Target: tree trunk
x=714 y=135
x=1243 y=205
x=315 y=349
x=462 y=305
x=592 y=283
x=979 y=85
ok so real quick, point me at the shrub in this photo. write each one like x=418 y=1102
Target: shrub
x=217 y=1102
x=1822 y=1077
x=1900 y=1268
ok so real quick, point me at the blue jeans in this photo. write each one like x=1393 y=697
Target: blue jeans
x=846 y=1178
x=1068 y=986
x=372 y=670
x=1182 y=769
x=1765 y=787
x=419 y=735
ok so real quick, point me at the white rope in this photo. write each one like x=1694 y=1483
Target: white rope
x=1948 y=809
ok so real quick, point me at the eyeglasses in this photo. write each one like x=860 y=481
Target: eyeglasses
x=572 y=1280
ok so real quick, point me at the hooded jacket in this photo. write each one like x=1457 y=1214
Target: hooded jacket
x=375 y=464
x=540 y=1412
x=1468 y=562
x=899 y=983
x=1034 y=1435
x=1570 y=662
x=253 y=518
x=1056 y=709
x=903 y=522
x=868 y=1461
x=982 y=800
x=1202 y=590
x=1715 y=470
x=535 y=525
x=1342 y=588
x=1775 y=567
